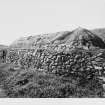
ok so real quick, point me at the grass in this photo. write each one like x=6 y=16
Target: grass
x=38 y=84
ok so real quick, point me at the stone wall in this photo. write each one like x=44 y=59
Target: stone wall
x=76 y=61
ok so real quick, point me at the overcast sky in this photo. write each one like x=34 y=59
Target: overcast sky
x=25 y=17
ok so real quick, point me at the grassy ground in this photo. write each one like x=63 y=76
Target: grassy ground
x=38 y=84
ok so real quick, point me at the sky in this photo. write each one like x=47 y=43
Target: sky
x=20 y=18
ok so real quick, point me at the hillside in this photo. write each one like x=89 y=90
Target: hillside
x=79 y=37
x=36 y=40
x=68 y=64
x=100 y=32
x=3 y=47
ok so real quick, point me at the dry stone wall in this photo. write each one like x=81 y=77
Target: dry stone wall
x=76 y=62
